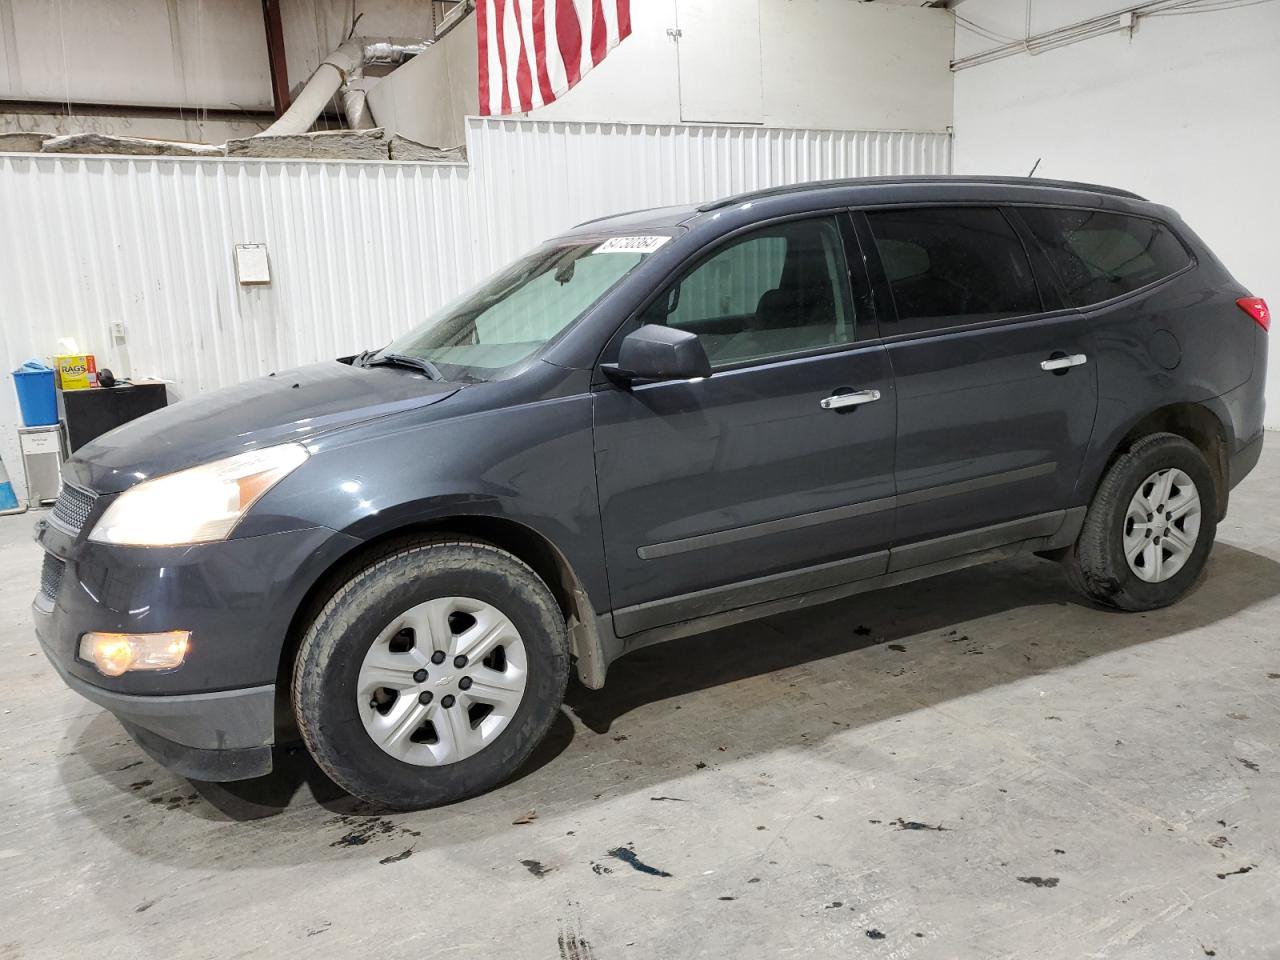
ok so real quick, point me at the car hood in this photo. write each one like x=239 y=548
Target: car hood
x=294 y=405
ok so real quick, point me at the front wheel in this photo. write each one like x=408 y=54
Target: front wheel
x=1150 y=527
x=432 y=674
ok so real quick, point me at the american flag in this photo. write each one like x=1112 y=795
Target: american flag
x=532 y=51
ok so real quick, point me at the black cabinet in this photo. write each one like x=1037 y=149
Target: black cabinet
x=91 y=413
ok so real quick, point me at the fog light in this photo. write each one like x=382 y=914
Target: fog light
x=117 y=653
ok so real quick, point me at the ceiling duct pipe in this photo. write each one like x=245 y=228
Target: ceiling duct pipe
x=335 y=74
x=355 y=103
x=392 y=53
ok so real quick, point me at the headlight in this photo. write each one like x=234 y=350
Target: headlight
x=197 y=505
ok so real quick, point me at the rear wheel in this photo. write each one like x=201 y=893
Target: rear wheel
x=432 y=674
x=1149 y=528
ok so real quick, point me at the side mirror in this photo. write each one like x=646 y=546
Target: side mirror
x=659 y=353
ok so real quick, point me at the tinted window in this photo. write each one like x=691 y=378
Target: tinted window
x=783 y=289
x=1103 y=255
x=948 y=266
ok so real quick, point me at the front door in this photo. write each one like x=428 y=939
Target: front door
x=996 y=394
x=746 y=487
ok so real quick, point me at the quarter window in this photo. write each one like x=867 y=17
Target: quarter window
x=948 y=266
x=783 y=289
x=1101 y=255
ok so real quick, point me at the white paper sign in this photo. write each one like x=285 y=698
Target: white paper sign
x=251 y=263
x=46 y=441
x=631 y=245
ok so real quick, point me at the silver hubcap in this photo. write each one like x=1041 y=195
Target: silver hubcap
x=1161 y=525
x=442 y=681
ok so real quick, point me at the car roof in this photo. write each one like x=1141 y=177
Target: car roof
x=875 y=186
x=650 y=217
x=871 y=190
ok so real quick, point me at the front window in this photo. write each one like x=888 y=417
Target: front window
x=780 y=290
x=491 y=331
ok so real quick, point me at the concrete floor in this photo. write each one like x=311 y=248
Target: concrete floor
x=975 y=766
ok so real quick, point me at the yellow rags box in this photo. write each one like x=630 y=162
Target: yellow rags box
x=76 y=371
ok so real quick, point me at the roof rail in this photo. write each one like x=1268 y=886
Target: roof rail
x=922 y=179
x=627 y=213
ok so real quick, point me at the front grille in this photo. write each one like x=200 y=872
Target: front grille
x=73 y=507
x=51 y=576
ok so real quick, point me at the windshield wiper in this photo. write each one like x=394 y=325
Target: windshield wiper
x=404 y=360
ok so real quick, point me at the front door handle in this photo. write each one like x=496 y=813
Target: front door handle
x=855 y=398
x=1062 y=363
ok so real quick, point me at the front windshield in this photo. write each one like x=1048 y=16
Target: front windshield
x=505 y=320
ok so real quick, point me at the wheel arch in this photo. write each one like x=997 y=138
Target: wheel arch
x=1193 y=421
x=521 y=541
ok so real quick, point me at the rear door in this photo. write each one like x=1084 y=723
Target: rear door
x=745 y=487
x=996 y=383
x=1115 y=268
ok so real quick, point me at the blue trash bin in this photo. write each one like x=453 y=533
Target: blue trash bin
x=36 y=395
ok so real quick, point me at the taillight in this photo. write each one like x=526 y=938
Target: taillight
x=1256 y=307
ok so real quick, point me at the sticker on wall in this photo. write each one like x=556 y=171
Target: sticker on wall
x=631 y=245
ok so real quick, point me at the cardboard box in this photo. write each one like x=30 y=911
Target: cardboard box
x=76 y=372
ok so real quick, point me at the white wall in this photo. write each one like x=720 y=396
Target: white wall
x=823 y=64
x=806 y=64
x=139 y=52
x=1186 y=112
x=835 y=63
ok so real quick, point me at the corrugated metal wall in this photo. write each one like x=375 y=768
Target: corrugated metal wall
x=355 y=250
x=564 y=173
x=359 y=251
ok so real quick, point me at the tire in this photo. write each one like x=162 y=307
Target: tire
x=423 y=581
x=1097 y=563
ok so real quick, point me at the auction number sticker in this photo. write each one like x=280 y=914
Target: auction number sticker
x=631 y=245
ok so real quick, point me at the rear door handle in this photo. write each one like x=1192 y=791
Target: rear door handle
x=855 y=398
x=1062 y=363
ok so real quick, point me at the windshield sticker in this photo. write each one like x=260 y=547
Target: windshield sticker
x=631 y=245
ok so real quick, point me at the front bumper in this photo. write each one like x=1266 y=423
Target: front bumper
x=213 y=718
x=225 y=735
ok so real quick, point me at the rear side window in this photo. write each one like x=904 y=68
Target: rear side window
x=948 y=266
x=1101 y=255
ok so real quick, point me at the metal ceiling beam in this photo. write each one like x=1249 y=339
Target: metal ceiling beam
x=275 y=55
x=153 y=110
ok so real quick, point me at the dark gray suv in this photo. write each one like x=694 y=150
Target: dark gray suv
x=655 y=424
